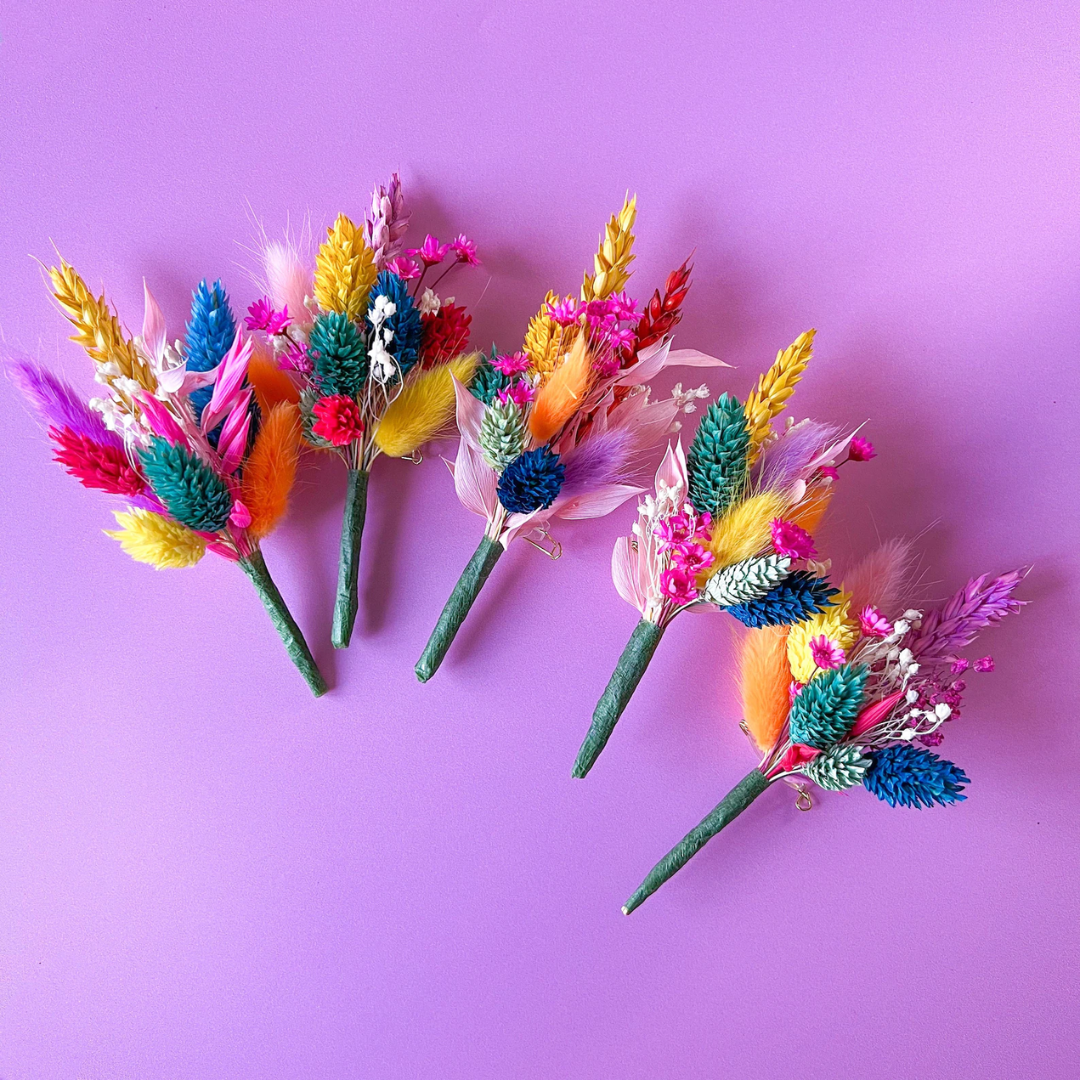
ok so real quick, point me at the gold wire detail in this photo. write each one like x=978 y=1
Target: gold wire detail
x=803 y=800
x=416 y=457
x=554 y=552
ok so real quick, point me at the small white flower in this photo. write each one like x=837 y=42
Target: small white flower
x=893 y=654
x=908 y=734
x=942 y=711
x=900 y=627
x=912 y=615
x=906 y=656
x=388 y=336
x=429 y=303
x=912 y=696
x=381 y=310
x=912 y=669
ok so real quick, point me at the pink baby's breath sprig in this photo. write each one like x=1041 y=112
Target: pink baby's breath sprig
x=860 y=449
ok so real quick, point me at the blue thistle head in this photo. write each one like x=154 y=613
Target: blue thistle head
x=211 y=331
x=906 y=775
x=405 y=322
x=796 y=598
x=192 y=492
x=531 y=481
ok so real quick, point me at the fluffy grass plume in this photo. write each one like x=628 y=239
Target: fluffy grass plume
x=424 y=408
x=561 y=396
x=764 y=679
x=150 y=538
x=880 y=578
x=272 y=385
x=775 y=387
x=744 y=530
x=611 y=263
x=345 y=270
x=271 y=468
x=835 y=623
x=98 y=330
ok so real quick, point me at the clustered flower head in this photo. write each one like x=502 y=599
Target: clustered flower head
x=791 y=540
x=262 y=316
x=860 y=449
x=520 y=392
x=338 y=419
x=683 y=537
x=405 y=269
x=430 y=252
x=464 y=249
x=563 y=312
x=873 y=624
x=827 y=654
x=511 y=364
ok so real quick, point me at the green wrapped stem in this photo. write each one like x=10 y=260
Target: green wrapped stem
x=352 y=529
x=457 y=607
x=731 y=806
x=620 y=688
x=254 y=565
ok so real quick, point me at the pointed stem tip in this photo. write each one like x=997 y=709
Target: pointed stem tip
x=352 y=530
x=254 y=565
x=457 y=607
x=726 y=811
x=620 y=688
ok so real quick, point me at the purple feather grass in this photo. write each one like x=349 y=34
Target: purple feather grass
x=604 y=459
x=56 y=402
x=946 y=630
x=783 y=462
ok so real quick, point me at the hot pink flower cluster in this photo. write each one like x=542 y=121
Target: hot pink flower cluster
x=873 y=624
x=519 y=392
x=826 y=653
x=683 y=536
x=511 y=364
x=431 y=252
x=791 y=540
x=262 y=316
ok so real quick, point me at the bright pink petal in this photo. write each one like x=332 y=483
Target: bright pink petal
x=160 y=419
x=874 y=714
x=230 y=381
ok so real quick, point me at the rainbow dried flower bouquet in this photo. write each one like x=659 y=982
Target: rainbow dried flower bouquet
x=369 y=352
x=559 y=429
x=180 y=434
x=856 y=695
x=728 y=529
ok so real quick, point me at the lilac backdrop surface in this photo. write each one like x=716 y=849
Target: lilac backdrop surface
x=204 y=873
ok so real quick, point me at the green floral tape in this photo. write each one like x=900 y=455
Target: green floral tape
x=730 y=807
x=620 y=689
x=295 y=645
x=352 y=530
x=457 y=607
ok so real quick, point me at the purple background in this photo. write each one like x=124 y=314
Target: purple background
x=204 y=873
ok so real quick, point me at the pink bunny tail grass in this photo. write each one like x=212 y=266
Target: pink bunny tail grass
x=880 y=579
x=979 y=604
x=288 y=278
x=55 y=401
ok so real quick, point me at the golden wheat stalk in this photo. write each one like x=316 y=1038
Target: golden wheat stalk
x=98 y=329
x=546 y=341
x=611 y=262
x=774 y=388
x=345 y=270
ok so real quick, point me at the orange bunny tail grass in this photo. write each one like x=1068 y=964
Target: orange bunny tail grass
x=808 y=514
x=562 y=395
x=272 y=385
x=764 y=679
x=271 y=468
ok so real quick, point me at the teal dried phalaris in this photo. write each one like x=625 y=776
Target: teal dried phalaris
x=827 y=706
x=488 y=381
x=191 y=492
x=717 y=460
x=338 y=354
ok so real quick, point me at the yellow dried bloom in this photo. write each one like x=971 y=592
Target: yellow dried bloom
x=99 y=330
x=546 y=341
x=610 y=263
x=774 y=388
x=834 y=622
x=345 y=270
x=150 y=538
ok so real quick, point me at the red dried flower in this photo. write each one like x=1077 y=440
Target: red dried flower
x=95 y=465
x=663 y=312
x=337 y=419
x=445 y=335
